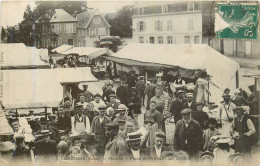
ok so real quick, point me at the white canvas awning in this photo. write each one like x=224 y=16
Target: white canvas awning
x=187 y=56
x=62 y=48
x=42 y=53
x=16 y=55
x=90 y=52
x=39 y=88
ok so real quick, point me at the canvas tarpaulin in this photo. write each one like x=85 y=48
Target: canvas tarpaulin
x=90 y=52
x=62 y=48
x=39 y=88
x=17 y=55
x=186 y=56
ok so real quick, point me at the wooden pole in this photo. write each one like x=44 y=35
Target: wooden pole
x=45 y=113
x=16 y=113
x=237 y=79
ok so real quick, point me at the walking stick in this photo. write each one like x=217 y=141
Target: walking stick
x=32 y=156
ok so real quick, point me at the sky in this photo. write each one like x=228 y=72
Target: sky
x=12 y=11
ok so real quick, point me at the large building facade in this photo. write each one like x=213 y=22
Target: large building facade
x=81 y=31
x=167 y=22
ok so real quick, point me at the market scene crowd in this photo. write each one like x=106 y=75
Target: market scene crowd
x=109 y=127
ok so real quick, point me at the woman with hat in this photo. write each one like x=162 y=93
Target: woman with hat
x=109 y=91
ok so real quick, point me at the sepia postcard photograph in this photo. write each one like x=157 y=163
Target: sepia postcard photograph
x=172 y=82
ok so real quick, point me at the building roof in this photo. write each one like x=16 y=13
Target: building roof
x=62 y=16
x=86 y=17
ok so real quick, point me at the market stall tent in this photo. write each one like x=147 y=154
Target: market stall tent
x=16 y=55
x=62 y=48
x=39 y=88
x=42 y=53
x=187 y=56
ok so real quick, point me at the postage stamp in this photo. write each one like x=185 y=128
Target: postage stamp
x=236 y=21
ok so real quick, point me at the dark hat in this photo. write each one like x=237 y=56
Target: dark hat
x=226 y=96
x=112 y=125
x=66 y=99
x=97 y=95
x=186 y=111
x=43 y=120
x=102 y=107
x=121 y=122
x=206 y=155
x=74 y=137
x=239 y=109
x=133 y=136
x=112 y=95
x=90 y=138
x=251 y=87
x=84 y=85
x=148 y=120
x=212 y=121
x=235 y=157
x=31 y=111
x=180 y=91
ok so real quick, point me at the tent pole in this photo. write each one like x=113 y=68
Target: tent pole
x=208 y=89
x=46 y=113
x=16 y=113
x=237 y=79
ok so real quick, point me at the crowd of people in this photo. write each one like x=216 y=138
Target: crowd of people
x=106 y=127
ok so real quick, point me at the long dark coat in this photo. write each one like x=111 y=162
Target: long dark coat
x=176 y=109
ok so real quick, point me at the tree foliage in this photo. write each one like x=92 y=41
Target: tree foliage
x=122 y=23
x=36 y=23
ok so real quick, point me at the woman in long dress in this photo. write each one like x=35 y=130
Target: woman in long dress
x=202 y=88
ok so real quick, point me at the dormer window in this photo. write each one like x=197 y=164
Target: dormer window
x=97 y=20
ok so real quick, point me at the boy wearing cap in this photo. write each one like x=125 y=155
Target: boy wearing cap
x=243 y=129
x=80 y=122
x=188 y=135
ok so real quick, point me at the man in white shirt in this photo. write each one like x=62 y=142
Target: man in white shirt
x=80 y=122
x=82 y=101
x=243 y=129
x=98 y=102
x=158 y=148
x=134 y=143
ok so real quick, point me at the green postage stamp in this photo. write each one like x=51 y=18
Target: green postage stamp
x=236 y=20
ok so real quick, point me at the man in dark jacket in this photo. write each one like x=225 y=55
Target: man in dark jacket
x=64 y=120
x=189 y=103
x=22 y=152
x=109 y=91
x=113 y=103
x=200 y=116
x=158 y=148
x=188 y=135
x=134 y=104
x=121 y=93
x=177 y=106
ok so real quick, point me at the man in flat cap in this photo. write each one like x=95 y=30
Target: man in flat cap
x=188 y=135
x=98 y=128
x=122 y=109
x=113 y=103
x=116 y=147
x=177 y=106
x=80 y=122
x=243 y=129
x=226 y=115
